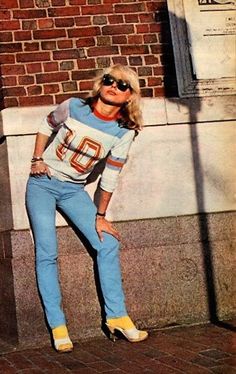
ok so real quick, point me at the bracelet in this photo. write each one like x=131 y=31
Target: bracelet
x=35 y=159
x=100 y=214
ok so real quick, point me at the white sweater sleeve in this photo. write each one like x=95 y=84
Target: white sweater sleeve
x=115 y=161
x=55 y=119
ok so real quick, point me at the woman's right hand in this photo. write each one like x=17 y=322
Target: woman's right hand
x=39 y=168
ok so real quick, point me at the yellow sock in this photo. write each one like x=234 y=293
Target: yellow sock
x=60 y=332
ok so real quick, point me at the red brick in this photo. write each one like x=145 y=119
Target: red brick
x=151 y=60
x=77 y=2
x=134 y=50
x=34 y=90
x=49 y=34
x=64 y=22
x=146 y=17
x=8 y=4
x=158 y=70
x=49 y=45
x=152 y=6
x=10 y=47
x=131 y=18
x=5 y=14
x=25 y=80
x=9 y=81
x=99 y=20
x=97 y=9
x=88 y=63
x=142 y=29
x=154 y=81
x=118 y=29
x=116 y=19
x=69 y=86
x=42 y=3
x=9 y=25
x=85 y=42
x=51 y=88
x=12 y=70
x=31 y=47
x=64 y=44
x=67 y=65
x=46 y=23
x=103 y=51
x=14 y=91
x=29 y=25
x=135 y=60
x=22 y=35
x=35 y=100
x=103 y=62
x=29 y=14
x=66 y=54
x=6 y=37
x=31 y=57
x=34 y=68
x=65 y=11
x=50 y=66
x=150 y=38
x=10 y=102
x=83 y=74
x=146 y=92
x=84 y=31
x=155 y=27
x=104 y=40
x=120 y=60
x=119 y=39
x=83 y=21
x=111 y=1
x=135 y=39
x=129 y=8
x=52 y=77
x=58 y=2
x=7 y=59
x=26 y=4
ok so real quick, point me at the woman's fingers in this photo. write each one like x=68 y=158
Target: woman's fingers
x=102 y=225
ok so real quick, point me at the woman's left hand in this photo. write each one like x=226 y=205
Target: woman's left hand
x=102 y=225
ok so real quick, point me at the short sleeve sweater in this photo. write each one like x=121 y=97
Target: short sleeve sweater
x=82 y=138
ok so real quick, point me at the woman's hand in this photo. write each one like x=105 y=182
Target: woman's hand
x=39 y=168
x=102 y=225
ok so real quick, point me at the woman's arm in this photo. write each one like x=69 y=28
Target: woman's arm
x=38 y=166
x=102 y=225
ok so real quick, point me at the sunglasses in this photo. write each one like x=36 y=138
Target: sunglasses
x=108 y=80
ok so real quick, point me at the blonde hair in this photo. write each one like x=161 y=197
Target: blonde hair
x=130 y=112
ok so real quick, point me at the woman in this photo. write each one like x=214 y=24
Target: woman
x=85 y=131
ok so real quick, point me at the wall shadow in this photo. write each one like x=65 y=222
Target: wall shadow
x=194 y=107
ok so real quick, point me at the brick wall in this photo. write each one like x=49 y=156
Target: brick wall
x=52 y=49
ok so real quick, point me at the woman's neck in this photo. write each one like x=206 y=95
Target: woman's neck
x=106 y=110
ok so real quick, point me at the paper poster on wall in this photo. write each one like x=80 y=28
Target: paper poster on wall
x=211 y=26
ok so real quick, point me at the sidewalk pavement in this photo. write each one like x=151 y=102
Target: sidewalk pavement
x=198 y=349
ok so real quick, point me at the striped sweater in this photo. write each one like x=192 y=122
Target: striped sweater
x=82 y=138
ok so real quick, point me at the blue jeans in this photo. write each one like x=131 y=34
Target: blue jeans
x=43 y=195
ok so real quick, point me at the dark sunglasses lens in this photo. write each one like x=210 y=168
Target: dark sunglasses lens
x=122 y=86
x=108 y=80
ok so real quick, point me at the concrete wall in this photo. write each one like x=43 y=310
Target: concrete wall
x=174 y=207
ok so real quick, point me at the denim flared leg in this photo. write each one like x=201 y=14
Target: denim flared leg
x=81 y=210
x=41 y=197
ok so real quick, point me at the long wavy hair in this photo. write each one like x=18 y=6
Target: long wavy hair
x=130 y=112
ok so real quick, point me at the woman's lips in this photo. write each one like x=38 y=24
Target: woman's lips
x=110 y=92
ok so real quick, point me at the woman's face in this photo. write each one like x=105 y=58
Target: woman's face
x=114 y=90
